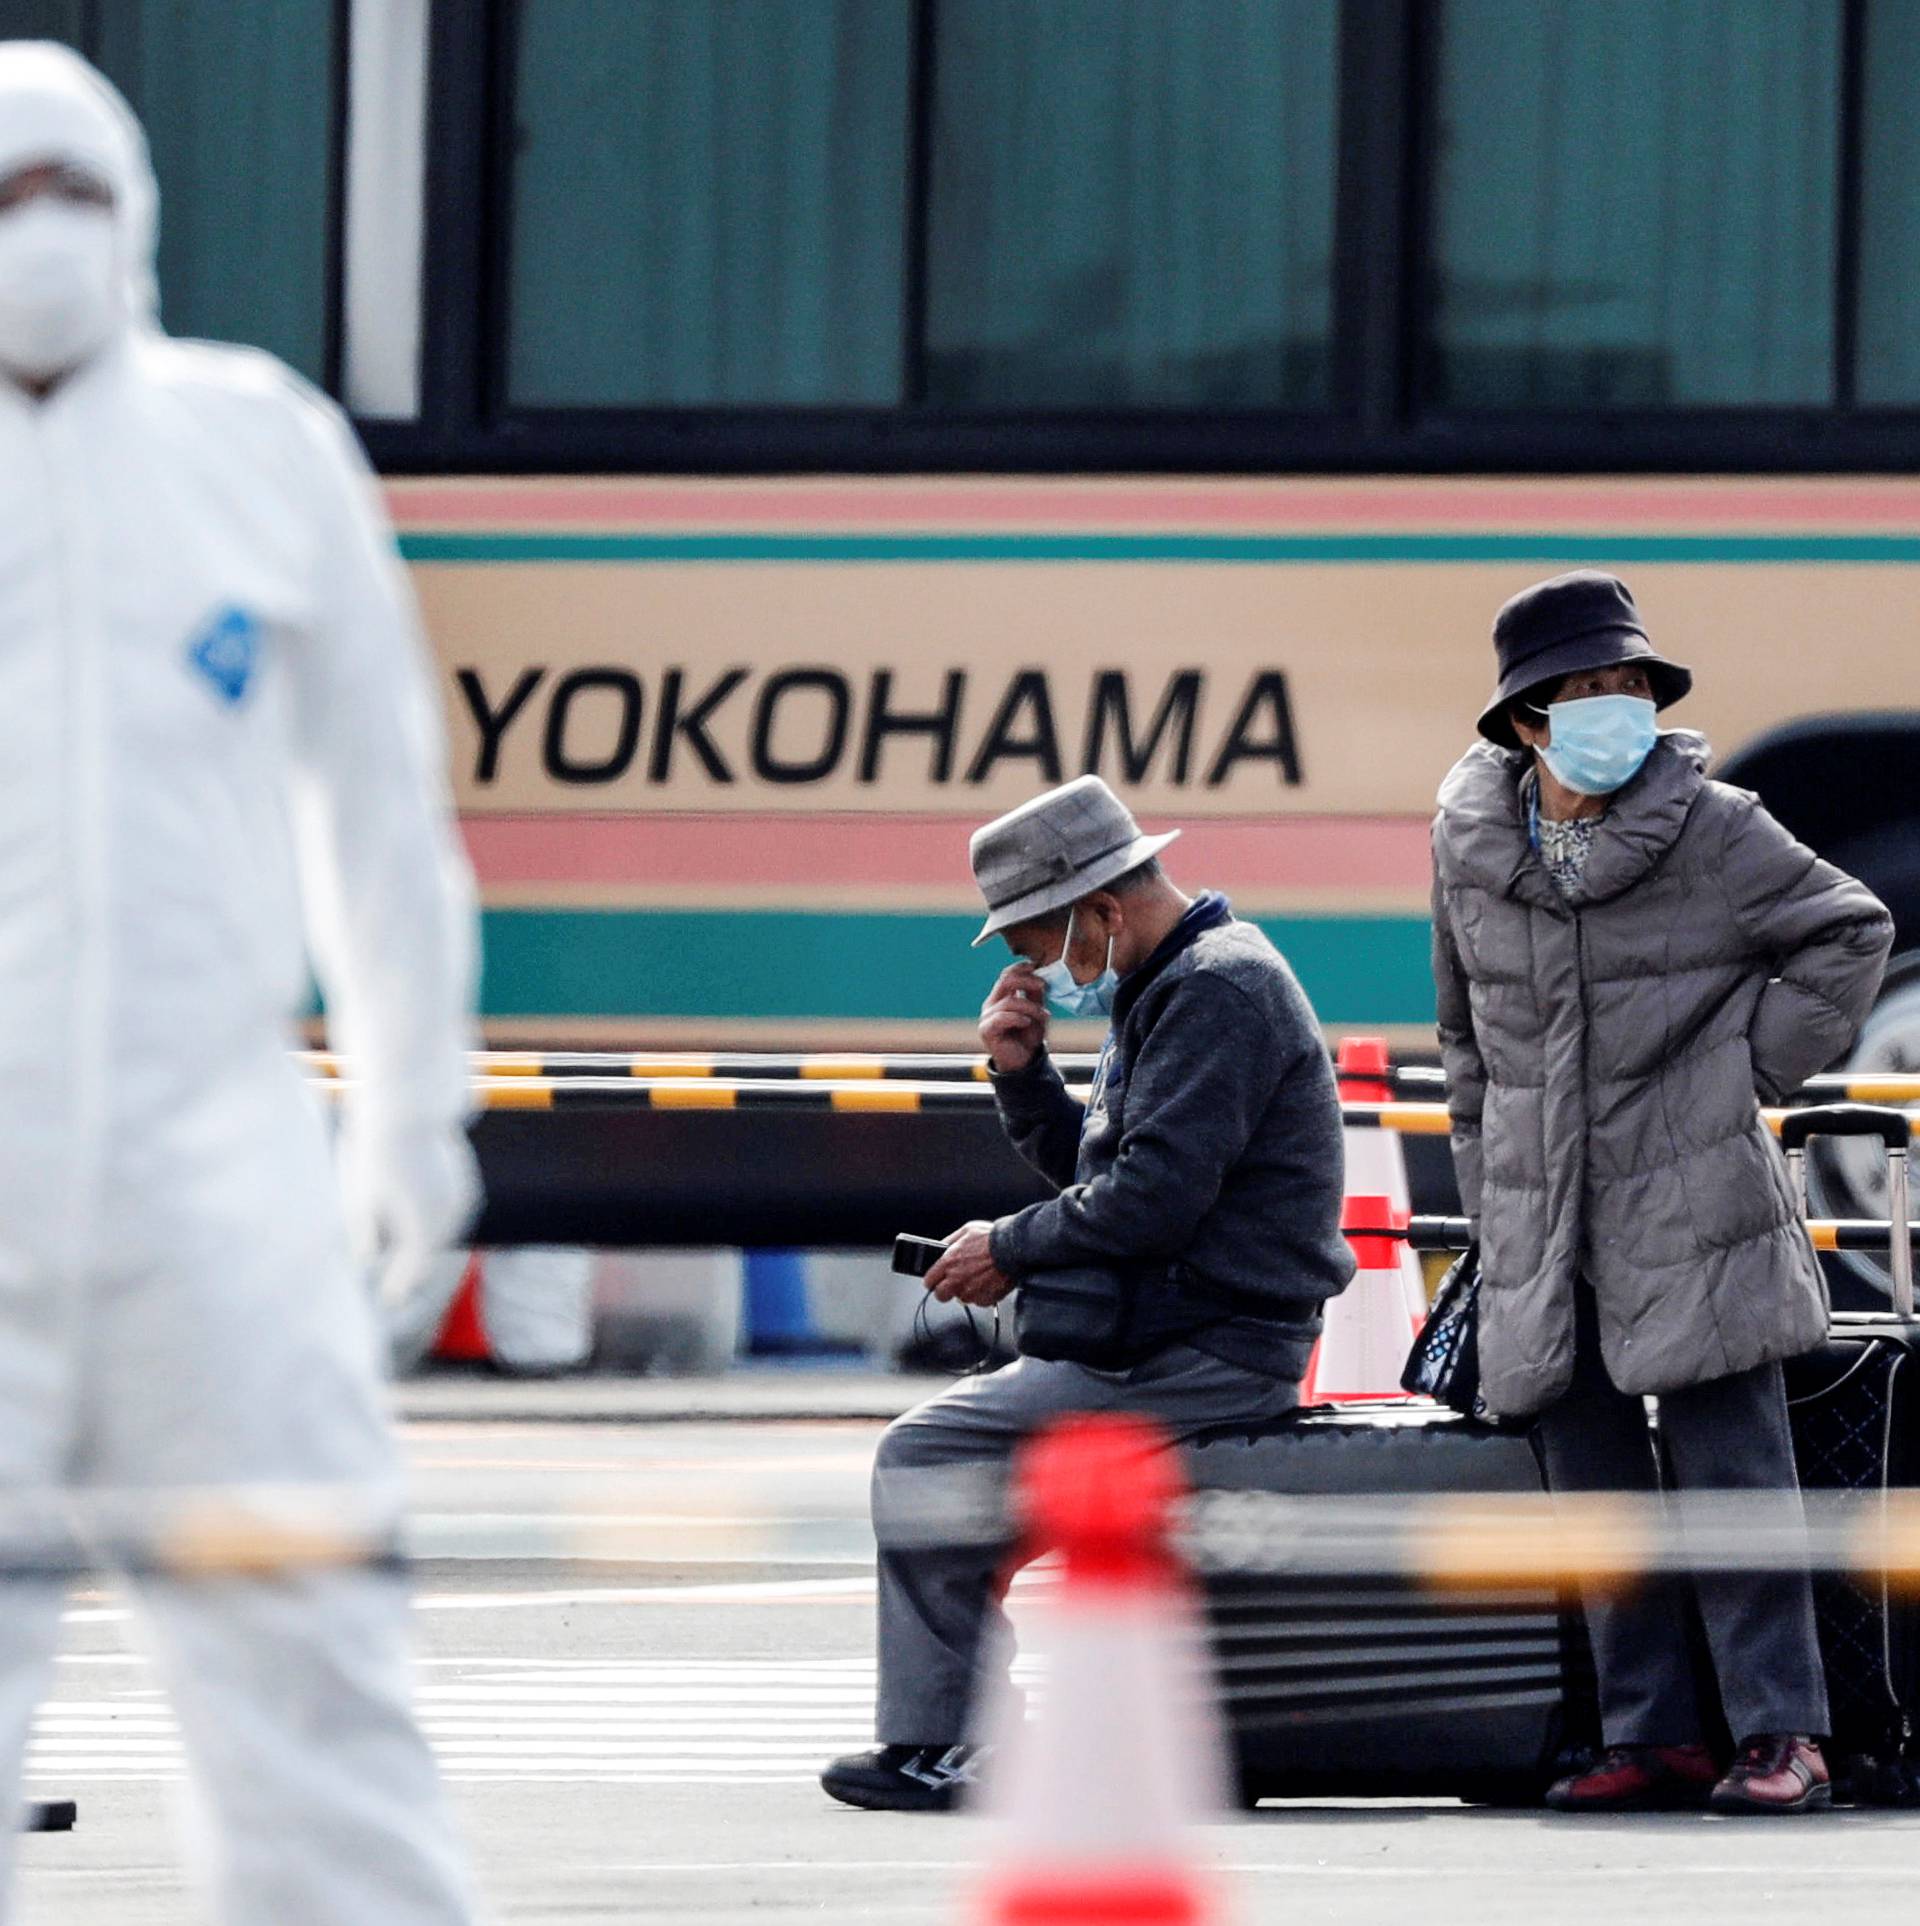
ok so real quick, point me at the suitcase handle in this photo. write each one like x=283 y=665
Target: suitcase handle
x=1799 y=1127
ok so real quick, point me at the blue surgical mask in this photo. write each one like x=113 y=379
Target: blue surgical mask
x=1073 y=999
x=1599 y=742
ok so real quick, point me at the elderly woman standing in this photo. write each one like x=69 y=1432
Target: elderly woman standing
x=1629 y=959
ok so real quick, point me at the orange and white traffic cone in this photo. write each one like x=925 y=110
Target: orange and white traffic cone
x=1376 y=1158
x=1094 y=1797
x=1371 y=1325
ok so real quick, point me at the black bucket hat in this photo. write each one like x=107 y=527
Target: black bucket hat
x=1583 y=620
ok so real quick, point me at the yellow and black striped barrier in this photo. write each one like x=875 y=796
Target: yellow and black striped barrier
x=1422 y=1086
x=1420 y=1082
x=632 y=1090
x=725 y=1093
x=1465 y=1541
x=1599 y=1541
x=1900 y=1091
x=702 y=1066
x=636 y=1092
x=1435 y=1234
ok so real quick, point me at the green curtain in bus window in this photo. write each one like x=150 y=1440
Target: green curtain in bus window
x=238 y=100
x=1887 y=368
x=1635 y=203
x=1132 y=203
x=709 y=203
x=43 y=20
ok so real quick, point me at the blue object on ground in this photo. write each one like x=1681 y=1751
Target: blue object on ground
x=779 y=1312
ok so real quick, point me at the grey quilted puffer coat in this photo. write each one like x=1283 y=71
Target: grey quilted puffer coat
x=1606 y=1054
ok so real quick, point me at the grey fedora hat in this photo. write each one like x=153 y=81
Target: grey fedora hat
x=1054 y=850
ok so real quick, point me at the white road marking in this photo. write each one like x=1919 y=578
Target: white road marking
x=639 y=1722
x=777 y=1591
x=1744 y=1869
x=650 y=1467
x=747 y=1592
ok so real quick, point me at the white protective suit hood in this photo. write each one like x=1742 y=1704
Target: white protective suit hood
x=55 y=108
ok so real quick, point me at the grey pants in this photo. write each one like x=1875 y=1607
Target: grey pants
x=1727 y=1435
x=941 y=1627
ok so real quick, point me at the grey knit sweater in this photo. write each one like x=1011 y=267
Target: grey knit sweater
x=1211 y=1141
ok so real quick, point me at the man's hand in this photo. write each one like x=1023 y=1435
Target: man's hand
x=967 y=1274
x=1013 y=1020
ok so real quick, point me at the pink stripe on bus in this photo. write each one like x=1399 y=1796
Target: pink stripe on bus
x=808 y=852
x=1496 y=506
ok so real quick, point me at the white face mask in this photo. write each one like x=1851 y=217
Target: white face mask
x=59 y=293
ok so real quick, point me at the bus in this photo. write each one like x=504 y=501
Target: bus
x=719 y=745
x=814 y=426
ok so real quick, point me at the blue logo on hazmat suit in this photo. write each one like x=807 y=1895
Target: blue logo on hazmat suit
x=227 y=651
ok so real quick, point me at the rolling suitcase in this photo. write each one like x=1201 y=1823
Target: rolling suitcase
x=1854 y=1406
x=1377 y=1687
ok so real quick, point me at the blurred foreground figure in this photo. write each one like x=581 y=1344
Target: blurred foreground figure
x=214 y=729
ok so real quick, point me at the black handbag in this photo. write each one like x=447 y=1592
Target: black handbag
x=1083 y=1315
x=1444 y=1363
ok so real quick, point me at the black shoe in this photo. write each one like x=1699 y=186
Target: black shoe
x=905 y=1778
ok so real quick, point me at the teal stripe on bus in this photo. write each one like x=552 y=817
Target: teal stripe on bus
x=452 y=546
x=802 y=964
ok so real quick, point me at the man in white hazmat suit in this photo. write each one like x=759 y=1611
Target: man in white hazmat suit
x=216 y=739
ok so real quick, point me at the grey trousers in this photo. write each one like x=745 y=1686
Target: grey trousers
x=1727 y=1435
x=941 y=1626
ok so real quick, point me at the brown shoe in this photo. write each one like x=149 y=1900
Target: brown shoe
x=1776 y=1772
x=1639 y=1778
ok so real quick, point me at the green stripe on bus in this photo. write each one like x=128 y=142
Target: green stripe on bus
x=442 y=546
x=817 y=964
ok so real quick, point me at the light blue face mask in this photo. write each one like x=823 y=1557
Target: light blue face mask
x=1073 y=999
x=1599 y=742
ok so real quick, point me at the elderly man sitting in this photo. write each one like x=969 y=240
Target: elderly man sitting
x=1179 y=1272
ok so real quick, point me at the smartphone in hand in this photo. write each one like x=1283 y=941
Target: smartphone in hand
x=916 y=1256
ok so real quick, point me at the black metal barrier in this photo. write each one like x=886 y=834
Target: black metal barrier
x=613 y=1149
x=800 y=1179
x=795 y=1178
x=808 y=1179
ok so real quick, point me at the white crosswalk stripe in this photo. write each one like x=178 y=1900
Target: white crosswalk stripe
x=631 y=1721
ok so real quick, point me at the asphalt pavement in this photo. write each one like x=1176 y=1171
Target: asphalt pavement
x=637 y=1739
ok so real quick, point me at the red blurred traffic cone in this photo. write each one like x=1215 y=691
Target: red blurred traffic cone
x=1096 y=1793
x=463 y=1331
x=1372 y=1323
